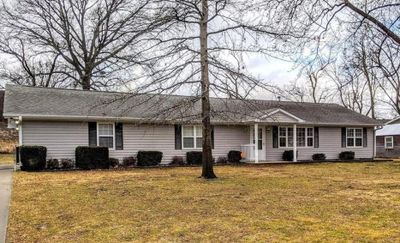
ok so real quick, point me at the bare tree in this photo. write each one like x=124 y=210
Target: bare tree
x=94 y=38
x=201 y=53
x=387 y=61
x=312 y=85
x=366 y=29
x=24 y=66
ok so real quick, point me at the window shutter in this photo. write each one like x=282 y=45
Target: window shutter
x=212 y=137
x=365 y=137
x=92 y=134
x=316 y=137
x=178 y=137
x=119 y=136
x=343 y=137
x=275 y=137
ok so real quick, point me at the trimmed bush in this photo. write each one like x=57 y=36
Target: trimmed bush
x=149 y=158
x=234 y=156
x=52 y=164
x=346 y=155
x=128 y=161
x=89 y=158
x=177 y=161
x=287 y=155
x=114 y=162
x=222 y=160
x=67 y=164
x=33 y=158
x=194 y=158
x=319 y=157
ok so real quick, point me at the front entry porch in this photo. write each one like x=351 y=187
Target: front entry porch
x=257 y=149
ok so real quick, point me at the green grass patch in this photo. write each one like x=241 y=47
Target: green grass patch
x=315 y=202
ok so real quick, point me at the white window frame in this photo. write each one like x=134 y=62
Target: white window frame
x=194 y=127
x=392 y=142
x=98 y=133
x=287 y=137
x=354 y=137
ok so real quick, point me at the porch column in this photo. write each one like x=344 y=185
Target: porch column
x=256 y=142
x=294 y=143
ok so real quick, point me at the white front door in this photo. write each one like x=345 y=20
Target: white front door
x=261 y=142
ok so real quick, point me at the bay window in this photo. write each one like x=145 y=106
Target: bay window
x=354 y=137
x=192 y=137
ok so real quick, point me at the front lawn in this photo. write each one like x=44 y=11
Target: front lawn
x=7 y=159
x=315 y=202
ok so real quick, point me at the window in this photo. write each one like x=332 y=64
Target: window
x=305 y=137
x=260 y=138
x=388 y=142
x=354 y=137
x=192 y=137
x=105 y=135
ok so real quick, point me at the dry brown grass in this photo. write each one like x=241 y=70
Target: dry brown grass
x=7 y=146
x=6 y=159
x=316 y=202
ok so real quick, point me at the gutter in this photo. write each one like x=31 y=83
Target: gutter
x=36 y=117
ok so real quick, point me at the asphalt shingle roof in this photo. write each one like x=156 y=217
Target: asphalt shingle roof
x=23 y=100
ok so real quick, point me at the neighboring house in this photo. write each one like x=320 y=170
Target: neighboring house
x=63 y=119
x=388 y=140
x=8 y=137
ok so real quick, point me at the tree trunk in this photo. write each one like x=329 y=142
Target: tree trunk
x=208 y=171
x=85 y=81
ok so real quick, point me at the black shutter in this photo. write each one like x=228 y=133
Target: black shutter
x=92 y=134
x=365 y=137
x=119 y=136
x=212 y=137
x=343 y=137
x=316 y=137
x=178 y=137
x=275 y=137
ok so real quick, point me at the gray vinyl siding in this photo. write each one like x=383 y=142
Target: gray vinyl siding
x=330 y=143
x=281 y=117
x=162 y=138
x=61 y=139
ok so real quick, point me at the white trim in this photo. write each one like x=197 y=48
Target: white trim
x=256 y=143
x=355 y=137
x=392 y=142
x=284 y=112
x=20 y=134
x=295 y=142
x=194 y=137
x=98 y=135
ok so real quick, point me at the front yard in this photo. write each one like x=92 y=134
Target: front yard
x=7 y=159
x=315 y=202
